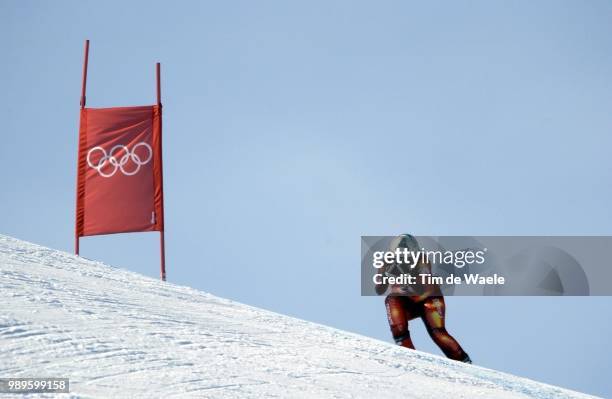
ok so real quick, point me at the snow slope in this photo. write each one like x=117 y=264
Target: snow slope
x=119 y=334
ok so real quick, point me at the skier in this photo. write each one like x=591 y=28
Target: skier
x=428 y=304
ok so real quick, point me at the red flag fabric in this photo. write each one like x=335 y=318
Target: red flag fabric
x=119 y=183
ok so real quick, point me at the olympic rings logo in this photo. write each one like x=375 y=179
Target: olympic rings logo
x=119 y=163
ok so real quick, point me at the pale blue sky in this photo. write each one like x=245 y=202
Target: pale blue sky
x=291 y=129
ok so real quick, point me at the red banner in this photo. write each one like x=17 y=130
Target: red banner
x=119 y=184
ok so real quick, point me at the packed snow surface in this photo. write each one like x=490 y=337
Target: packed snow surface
x=119 y=334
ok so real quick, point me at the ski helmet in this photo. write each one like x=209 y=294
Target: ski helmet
x=405 y=241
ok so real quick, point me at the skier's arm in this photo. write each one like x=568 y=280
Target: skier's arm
x=381 y=288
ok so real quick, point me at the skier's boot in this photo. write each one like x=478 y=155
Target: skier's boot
x=467 y=359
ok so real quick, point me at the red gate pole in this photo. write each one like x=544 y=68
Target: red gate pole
x=83 y=90
x=84 y=86
x=162 y=243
